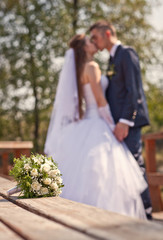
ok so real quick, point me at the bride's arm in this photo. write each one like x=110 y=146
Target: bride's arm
x=105 y=113
x=94 y=76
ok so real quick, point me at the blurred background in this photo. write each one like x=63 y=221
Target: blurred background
x=34 y=36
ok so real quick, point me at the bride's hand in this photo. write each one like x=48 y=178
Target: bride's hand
x=121 y=131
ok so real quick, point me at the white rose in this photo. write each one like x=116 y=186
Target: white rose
x=27 y=166
x=59 y=180
x=45 y=167
x=48 y=161
x=53 y=173
x=34 y=172
x=47 y=181
x=58 y=171
x=40 y=160
x=36 y=186
x=35 y=159
x=59 y=191
x=54 y=186
x=44 y=190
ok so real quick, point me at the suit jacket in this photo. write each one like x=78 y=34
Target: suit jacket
x=125 y=93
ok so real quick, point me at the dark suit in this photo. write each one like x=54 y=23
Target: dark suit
x=126 y=98
x=125 y=93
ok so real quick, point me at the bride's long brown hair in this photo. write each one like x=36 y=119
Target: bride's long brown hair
x=77 y=43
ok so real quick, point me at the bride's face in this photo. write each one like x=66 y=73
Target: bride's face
x=90 y=47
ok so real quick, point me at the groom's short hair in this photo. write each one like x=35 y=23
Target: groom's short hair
x=103 y=26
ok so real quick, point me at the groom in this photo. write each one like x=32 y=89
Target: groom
x=124 y=94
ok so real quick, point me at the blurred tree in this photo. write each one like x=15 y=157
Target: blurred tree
x=154 y=96
x=28 y=39
x=35 y=34
x=154 y=86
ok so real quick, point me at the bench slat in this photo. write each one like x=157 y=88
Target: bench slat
x=155 y=179
x=16 y=145
x=90 y=220
x=31 y=226
x=7 y=234
x=97 y=222
x=155 y=136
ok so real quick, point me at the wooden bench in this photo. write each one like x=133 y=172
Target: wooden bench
x=62 y=219
x=155 y=179
x=16 y=148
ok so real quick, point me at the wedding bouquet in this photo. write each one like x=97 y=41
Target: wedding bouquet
x=36 y=176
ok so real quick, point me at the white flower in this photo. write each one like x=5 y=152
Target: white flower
x=36 y=186
x=49 y=162
x=54 y=186
x=41 y=160
x=35 y=159
x=58 y=171
x=45 y=167
x=59 y=180
x=59 y=191
x=27 y=166
x=38 y=160
x=34 y=172
x=44 y=190
x=47 y=181
x=53 y=173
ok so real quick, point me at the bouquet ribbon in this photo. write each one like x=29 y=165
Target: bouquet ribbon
x=13 y=190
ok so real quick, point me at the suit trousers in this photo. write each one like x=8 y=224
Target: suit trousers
x=134 y=143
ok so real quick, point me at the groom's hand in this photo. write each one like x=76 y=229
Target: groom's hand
x=121 y=131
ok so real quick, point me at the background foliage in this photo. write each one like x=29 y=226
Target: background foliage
x=34 y=37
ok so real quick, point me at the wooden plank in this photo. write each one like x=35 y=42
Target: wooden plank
x=5 y=163
x=7 y=234
x=18 y=148
x=89 y=220
x=30 y=226
x=156 y=198
x=158 y=216
x=16 y=144
x=19 y=152
x=150 y=155
x=151 y=168
x=155 y=136
x=155 y=179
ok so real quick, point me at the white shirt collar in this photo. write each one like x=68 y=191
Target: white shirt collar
x=114 y=48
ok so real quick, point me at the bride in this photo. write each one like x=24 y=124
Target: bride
x=96 y=168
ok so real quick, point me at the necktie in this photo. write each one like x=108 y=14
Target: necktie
x=110 y=60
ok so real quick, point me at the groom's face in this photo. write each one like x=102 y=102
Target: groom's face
x=98 y=38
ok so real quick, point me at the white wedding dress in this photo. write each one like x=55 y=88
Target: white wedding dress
x=96 y=168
